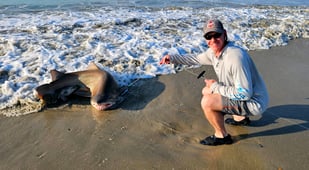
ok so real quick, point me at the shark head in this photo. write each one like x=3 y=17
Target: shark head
x=105 y=102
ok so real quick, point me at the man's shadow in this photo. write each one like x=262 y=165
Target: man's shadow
x=296 y=117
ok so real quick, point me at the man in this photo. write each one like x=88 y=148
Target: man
x=240 y=91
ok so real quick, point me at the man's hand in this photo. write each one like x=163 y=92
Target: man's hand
x=206 y=90
x=209 y=82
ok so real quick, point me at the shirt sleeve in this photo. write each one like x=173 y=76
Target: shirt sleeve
x=189 y=59
x=240 y=76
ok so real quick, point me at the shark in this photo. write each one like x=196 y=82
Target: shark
x=93 y=82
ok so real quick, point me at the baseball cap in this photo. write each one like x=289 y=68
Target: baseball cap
x=213 y=25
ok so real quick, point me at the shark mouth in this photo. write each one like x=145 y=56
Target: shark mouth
x=102 y=106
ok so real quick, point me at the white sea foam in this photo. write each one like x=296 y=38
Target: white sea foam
x=128 y=42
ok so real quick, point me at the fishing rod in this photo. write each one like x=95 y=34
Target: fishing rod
x=198 y=76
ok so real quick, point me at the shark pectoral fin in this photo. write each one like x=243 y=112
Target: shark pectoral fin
x=84 y=92
x=56 y=74
x=67 y=91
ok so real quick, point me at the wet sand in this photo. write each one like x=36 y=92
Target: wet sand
x=160 y=124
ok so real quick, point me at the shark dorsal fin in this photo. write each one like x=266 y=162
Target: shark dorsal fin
x=93 y=66
x=56 y=74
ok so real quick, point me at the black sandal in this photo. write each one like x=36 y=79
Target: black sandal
x=245 y=122
x=213 y=140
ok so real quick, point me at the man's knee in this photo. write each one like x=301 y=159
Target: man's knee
x=211 y=102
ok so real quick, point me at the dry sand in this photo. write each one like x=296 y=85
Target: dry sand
x=160 y=124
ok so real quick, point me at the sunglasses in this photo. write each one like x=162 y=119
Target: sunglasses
x=210 y=36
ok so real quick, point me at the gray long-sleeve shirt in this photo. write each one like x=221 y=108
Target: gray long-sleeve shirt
x=238 y=78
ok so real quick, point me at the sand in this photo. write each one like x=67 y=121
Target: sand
x=160 y=124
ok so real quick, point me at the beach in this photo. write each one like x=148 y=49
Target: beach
x=160 y=124
x=127 y=41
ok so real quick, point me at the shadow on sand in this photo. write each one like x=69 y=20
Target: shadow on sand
x=141 y=93
x=296 y=119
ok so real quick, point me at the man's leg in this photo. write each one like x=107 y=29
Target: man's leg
x=238 y=118
x=212 y=106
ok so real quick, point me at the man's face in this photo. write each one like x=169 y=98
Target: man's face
x=215 y=41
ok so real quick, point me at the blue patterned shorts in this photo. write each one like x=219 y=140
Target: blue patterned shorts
x=235 y=107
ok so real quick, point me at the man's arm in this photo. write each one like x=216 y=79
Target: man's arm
x=240 y=75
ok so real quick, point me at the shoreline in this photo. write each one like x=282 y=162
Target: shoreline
x=160 y=124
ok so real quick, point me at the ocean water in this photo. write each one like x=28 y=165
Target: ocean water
x=125 y=37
